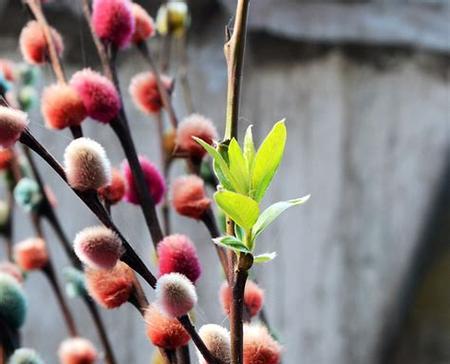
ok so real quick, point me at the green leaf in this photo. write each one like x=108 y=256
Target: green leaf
x=268 y=159
x=220 y=167
x=243 y=210
x=231 y=242
x=272 y=212
x=263 y=258
x=239 y=232
x=238 y=165
x=249 y=149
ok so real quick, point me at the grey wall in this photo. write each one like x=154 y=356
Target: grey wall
x=368 y=138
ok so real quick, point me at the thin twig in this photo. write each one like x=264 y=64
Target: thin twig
x=184 y=75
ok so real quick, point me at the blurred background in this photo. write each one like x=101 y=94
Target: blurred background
x=363 y=269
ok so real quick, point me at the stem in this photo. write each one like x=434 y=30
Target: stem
x=234 y=55
x=9 y=338
x=165 y=97
x=183 y=355
x=49 y=272
x=35 y=8
x=138 y=298
x=236 y=317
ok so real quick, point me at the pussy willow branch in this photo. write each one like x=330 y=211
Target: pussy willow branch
x=234 y=54
x=49 y=213
x=36 y=10
x=9 y=338
x=130 y=257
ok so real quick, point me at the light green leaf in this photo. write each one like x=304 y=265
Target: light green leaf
x=220 y=167
x=263 y=258
x=239 y=232
x=231 y=242
x=267 y=160
x=238 y=165
x=243 y=210
x=249 y=148
x=272 y=212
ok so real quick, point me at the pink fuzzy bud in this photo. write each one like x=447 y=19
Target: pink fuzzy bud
x=188 y=196
x=198 y=126
x=12 y=124
x=164 y=331
x=7 y=69
x=86 y=164
x=99 y=95
x=145 y=94
x=98 y=247
x=217 y=340
x=253 y=298
x=31 y=254
x=110 y=288
x=177 y=253
x=175 y=294
x=11 y=269
x=77 y=350
x=259 y=346
x=62 y=107
x=113 y=21
x=144 y=25
x=33 y=43
x=153 y=178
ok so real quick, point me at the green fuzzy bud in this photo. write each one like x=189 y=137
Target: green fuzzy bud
x=25 y=356
x=27 y=97
x=13 y=304
x=173 y=18
x=27 y=74
x=75 y=282
x=28 y=195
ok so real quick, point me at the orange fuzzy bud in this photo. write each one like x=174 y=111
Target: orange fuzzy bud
x=198 y=126
x=253 y=298
x=6 y=157
x=77 y=350
x=145 y=94
x=31 y=254
x=188 y=196
x=144 y=26
x=115 y=191
x=259 y=346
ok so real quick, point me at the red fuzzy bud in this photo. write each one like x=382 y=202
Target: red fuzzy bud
x=7 y=69
x=99 y=95
x=86 y=164
x=217 y=340
x=110 y=288
x=198 y=126
x=33 y=43
x=98 y=247
x=253 y=298
x=145 y=94
x=177 y=253
x=164 y=331
x=31 y=254
x=77 y=351
x=12 y=124
x=153 y=178
x=144 y=26
x=259 y=346
x=175 y=294
x=188 y=196
x=6 y=157
x=115 y=190
x=113 y=21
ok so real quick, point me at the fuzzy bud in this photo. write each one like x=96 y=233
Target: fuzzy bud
x=113 y=21
x=175 y=294
x=188 y=196
x=27 y=98
x=25 y=356
x=164 y=331
x=198 y=126
x=12 y=124
x=259 y=346
x=217 y=340
x=6 y=157
x=33 y=43
x=144 y=25
x=98 y=247
x=177 y=254
x=13 y=304
x=7 y=69
x=77 y=350
x=31 y=254
x=153 y=178
x=145 y=94
x=115 y=190
x=75 y=282
x=111 y=288
x=86 y=164
x=62 y=107
x=253 y=298
x=11 y=269
x=100 y=97
x=173 y=18
x=28 y=194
